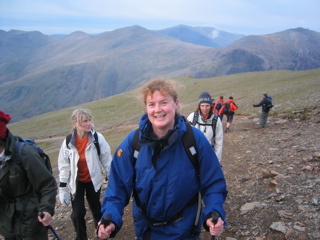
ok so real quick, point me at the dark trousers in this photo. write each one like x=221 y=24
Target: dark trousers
x=79 y=210
x=263 y=119
x=230 y=117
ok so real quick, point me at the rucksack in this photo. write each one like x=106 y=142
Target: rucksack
x=270 y=103
x=96 y=142
x=213 y=123
x=226 y=109
x=20 y=143
x=219 y=105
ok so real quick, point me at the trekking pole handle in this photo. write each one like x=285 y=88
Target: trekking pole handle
x=215 y=216
x=41 y=215
x=106 y=220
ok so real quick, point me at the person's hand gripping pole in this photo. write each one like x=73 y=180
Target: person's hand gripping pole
x=42 y=217
x=217 y=230
x=105 y=227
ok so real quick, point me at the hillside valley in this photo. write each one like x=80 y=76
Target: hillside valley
x=40 y=74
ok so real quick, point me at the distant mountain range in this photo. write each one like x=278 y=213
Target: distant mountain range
x=204 y=36
x=40 y=73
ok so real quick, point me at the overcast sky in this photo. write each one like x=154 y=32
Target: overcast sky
x=96 y=16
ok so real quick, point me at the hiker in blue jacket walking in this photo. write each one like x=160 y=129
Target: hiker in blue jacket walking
x=162 y=178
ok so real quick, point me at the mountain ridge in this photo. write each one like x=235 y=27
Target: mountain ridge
x=82 y=68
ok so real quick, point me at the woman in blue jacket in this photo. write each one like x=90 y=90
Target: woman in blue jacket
x=162 y=177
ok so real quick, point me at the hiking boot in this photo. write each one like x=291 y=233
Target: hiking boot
x=227 y=130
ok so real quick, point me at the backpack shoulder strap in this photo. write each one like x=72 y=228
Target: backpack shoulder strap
x=68 y=138
x=195 y=118
x=17 y=159
x=135 y=145
x=214 y=123
x=189 y=144
x=18 y=145
x=96 y=142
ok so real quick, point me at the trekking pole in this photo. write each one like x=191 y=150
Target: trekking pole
x=105 y=221
x=215 y=216
x=50 y=227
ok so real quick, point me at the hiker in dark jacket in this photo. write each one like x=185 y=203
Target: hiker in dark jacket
x=162 y=177
x=264 y=111
x=32 y=189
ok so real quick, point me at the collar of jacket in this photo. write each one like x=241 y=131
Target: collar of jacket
x=147 y=136
x=74 y=134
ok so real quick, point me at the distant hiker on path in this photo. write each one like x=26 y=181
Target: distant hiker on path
x=218 y=106
x=213 y=103
x=208 y=122
x=81 y=158
x=265 y=103
x=163 y=179
x=26 y=188
x=228 y=109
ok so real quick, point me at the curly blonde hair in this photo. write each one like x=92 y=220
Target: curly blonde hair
x=165 y=86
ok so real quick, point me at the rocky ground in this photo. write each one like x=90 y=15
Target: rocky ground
x=273 y=182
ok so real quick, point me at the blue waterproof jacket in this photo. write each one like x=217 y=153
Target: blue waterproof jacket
x=165 y=182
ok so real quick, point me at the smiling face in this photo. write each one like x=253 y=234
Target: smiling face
x=161 y=110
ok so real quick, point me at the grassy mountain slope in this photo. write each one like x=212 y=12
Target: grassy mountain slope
x=117 y=115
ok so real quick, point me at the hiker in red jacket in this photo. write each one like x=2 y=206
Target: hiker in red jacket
x=218 y=105
x=228 y=109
